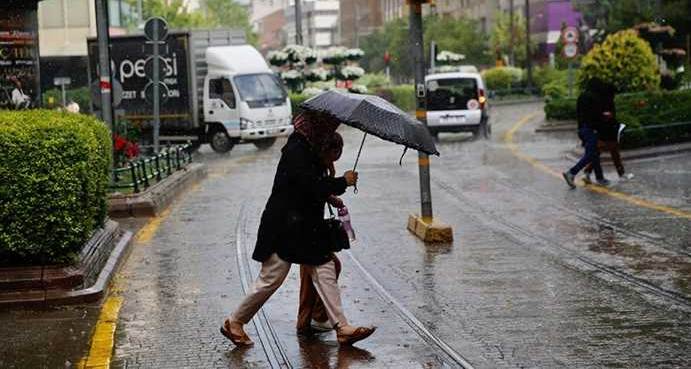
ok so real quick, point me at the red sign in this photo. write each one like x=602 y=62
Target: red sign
x=387 y=57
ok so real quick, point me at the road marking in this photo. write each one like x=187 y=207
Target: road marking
x=102 y=341
x=103 y=338
x=516 y=151
x=149 y=230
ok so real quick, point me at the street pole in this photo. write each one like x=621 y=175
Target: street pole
x=298 y=22
x=511 y=31
x=432 y=54
x=156 y=92
x=528 y=55
x=104 y=62
x=417 y=51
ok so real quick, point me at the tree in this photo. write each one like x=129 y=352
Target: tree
x=501 y=42
x=461 y=36
x=212 y=14
x=624 y=60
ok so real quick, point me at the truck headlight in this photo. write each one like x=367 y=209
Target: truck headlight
x=246 y=124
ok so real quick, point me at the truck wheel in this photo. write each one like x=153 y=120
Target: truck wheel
x=220 y=142
x=264 y=143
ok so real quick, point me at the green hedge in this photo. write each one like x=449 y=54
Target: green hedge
x=296 y=99
x=54 y=172
x=560 y=109
x=639 y=110
x=402 y=96
x=502 y=78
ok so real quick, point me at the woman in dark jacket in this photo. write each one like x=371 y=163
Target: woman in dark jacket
x=289 y=228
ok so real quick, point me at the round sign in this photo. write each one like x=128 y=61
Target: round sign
x=156 y=29
x=162 y=92
x=570 y=34
x=570 y=50
x=473 y=104
x=96 y=93
x=149 y=67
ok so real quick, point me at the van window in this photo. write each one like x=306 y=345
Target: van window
x=260 y=90
x=451 y=93
x=220 y=88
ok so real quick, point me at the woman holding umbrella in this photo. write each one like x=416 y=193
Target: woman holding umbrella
x=288 y=230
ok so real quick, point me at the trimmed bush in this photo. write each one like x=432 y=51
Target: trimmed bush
x=624 y=60
x=54 y=171
x=561 y=109
x=502 y=78
x=402 y=96
x=296 y=99
x=640 y=110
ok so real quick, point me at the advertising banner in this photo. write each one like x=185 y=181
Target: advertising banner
x=19 y=65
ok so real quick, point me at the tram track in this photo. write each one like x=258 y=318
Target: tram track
x=275 y=351
x=550 y=243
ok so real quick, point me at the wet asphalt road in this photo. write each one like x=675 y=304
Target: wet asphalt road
x=539 y=276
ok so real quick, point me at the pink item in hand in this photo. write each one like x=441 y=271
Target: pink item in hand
x=344 y=217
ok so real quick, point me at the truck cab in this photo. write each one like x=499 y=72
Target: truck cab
x=243 y=100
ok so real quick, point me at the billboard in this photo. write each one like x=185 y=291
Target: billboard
x=19 y=65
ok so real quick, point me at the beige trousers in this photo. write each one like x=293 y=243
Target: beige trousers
x=272 y=274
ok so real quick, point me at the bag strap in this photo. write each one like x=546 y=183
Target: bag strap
x=330 y=210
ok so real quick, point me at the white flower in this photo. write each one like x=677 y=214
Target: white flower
x=277 y=56
x=351 y=72
x=449 y=57
x=300 y=53
x=310 y=91
x=354 y=54
x=291 y=74
x=358 y=89
x=321 y=73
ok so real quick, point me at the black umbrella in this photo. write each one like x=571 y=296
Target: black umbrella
x=373 y=115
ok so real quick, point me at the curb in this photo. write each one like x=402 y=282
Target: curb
x=642 y=153
x=90 y=294
x=157 y=197
x=516 y=101
x=558 y=126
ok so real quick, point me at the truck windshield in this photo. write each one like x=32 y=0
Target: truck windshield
x=260 y=90
x=451 y=93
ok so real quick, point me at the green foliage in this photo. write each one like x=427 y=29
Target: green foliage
x=654 y=108
x=554 y=83
x=461 y=36
x=211 y=14
x=402 y=96
x=81 y=96
x=501 y=40
x=624 y=60
x=561 y=109
x=374 y=80
x=296 y=99
x=457 y=35
x=502 y=78
x=55 y=170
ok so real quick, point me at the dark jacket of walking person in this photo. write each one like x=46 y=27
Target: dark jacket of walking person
x=296 y=206
x=288 y=232
x=593 y=114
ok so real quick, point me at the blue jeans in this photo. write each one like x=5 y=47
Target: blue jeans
x=591 y=155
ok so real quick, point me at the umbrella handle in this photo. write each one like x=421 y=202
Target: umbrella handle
x=358 y=159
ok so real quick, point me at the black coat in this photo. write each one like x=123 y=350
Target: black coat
x=597 y=98
x=296 y=206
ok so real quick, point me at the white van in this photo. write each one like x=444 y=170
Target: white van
x=245 y=97
x=457 y=102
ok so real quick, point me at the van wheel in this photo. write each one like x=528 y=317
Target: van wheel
x=264 y=143
x=220 y=142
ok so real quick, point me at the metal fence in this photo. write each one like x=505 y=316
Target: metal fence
x=142 y=173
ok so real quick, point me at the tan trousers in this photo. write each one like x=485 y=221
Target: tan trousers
x=272 y=274
x=311 y=306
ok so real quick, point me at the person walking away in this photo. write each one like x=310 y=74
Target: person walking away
x=592 y=114
x=311 y=311
x=608 y=139
x=288 y=231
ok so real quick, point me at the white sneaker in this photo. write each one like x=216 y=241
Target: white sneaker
x=626 y=176
x=321 y=326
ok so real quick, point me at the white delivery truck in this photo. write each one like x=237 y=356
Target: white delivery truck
x=218 y=90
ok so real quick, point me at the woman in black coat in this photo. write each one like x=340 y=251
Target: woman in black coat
x=288 y=232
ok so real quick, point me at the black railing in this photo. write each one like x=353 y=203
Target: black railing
x=141 y=173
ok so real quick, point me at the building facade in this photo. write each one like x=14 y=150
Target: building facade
x=320 y=23
x=270 y=30
x=359 y=18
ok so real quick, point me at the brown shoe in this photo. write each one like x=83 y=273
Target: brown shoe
x=360 y=334
x=239 y=340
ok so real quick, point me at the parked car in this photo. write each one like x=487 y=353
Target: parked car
x=457 y=102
